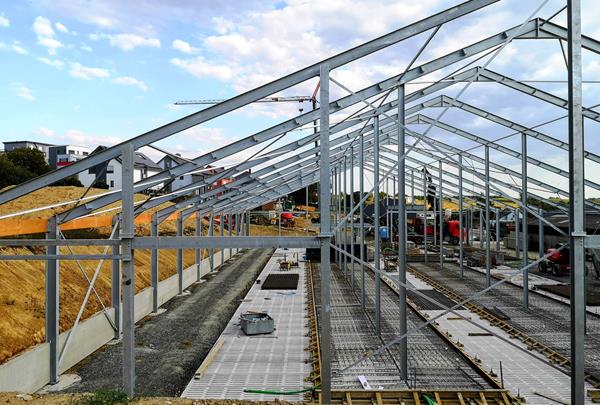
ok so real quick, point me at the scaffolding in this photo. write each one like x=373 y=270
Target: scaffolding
x=370 y=139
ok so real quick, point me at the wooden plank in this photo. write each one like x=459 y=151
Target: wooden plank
x=460 y=398
x=378 y=398
x=437 y=398
x=483 y=400
x=348 y=398
x=416 y=398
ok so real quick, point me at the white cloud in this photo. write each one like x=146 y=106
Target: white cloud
x=16 y=46
x=43 y=27
x=85 y=47
x=4 y=22
x=183 y=46
x=87 y=73
x=223 y=25
x=44 y=131
x=46 y=35
x=77 y=137
x=127 y=42
x=60 y=27
x=50 y=43
x=24 y=92
x=202 y=69
x=130 y=81
x=59 y=64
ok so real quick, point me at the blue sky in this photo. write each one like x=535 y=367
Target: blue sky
x=89 y=71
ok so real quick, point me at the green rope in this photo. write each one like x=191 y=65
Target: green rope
x=269 y=392
x=429 y=400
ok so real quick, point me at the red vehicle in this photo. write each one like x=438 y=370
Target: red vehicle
x=454 y=231
x=558 y=262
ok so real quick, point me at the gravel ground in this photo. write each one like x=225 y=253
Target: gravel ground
x=170 y=347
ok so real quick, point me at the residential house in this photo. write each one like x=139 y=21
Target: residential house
x=111 y=172
x=64 y=155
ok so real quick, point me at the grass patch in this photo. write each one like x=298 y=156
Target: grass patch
x=106 y=397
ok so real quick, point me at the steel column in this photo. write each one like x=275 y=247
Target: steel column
x=488 y=259
x=460 y=217
x=576 y=203
x=361 y=187
x=541 y=233
x=344 y=212
x=525 y=225
x=127 y=266
x=180 y=255
x=517 y=238
x=352 y=278
x=230 y=225
x=115 y=293
x=325 y=235
x=441 y=211
x=198 y=250
x=53 y=300
x=211 y=232
x=425 y=209
x=154 y=264
x=497 y=215
x=221 y=233
x=403 y=346
x=376 y=226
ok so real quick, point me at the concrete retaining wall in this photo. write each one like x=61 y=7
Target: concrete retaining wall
x=30 y=371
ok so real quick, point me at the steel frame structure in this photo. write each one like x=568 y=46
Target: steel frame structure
x=379 y=145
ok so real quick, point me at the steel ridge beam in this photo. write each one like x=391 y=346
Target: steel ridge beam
x=443 y=101
x=249 y=97
x=424 y=119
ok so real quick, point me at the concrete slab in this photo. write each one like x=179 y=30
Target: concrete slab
x=523 y=373
x=276 y=362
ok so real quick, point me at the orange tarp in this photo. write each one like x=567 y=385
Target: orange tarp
x=14 y=227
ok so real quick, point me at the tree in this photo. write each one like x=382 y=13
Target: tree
x=11 y=174
x=30 y=159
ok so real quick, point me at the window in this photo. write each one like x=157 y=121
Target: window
x=110 y=169
x=180 y=177
x=112 y=183
x=71 y=152
x=85 y=153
